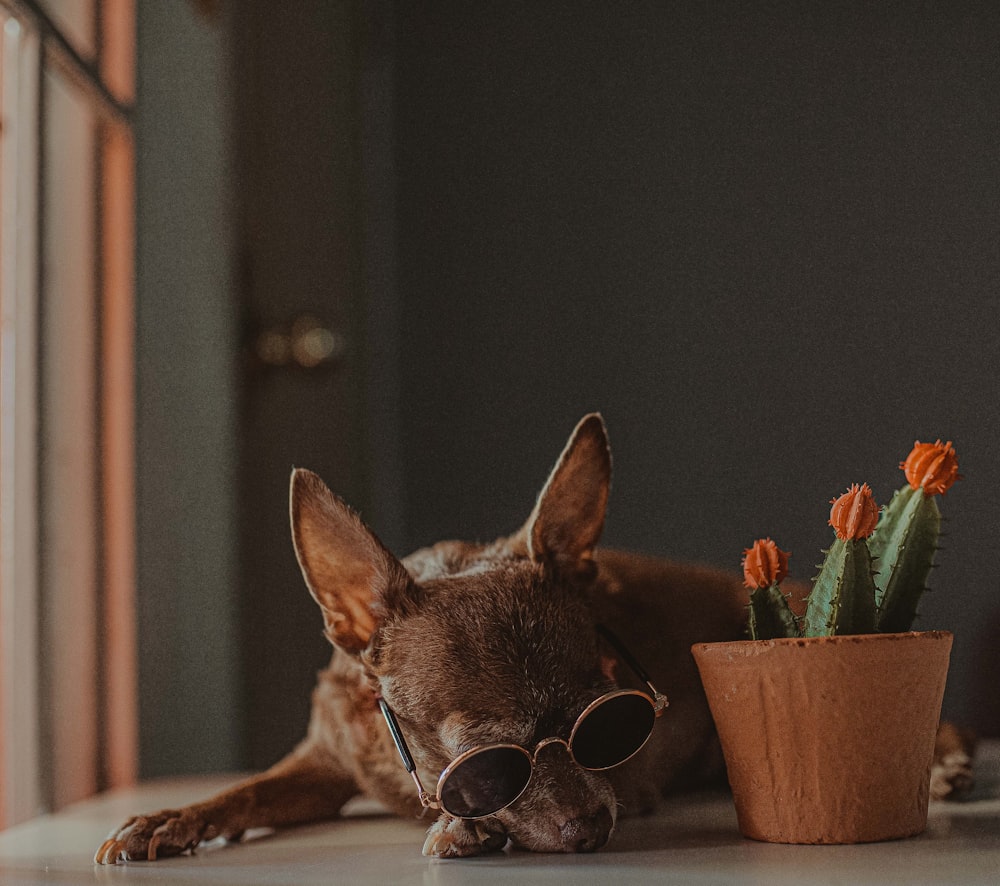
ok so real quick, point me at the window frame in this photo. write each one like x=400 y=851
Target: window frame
x=32 y=605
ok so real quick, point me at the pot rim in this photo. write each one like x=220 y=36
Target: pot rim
x=805 y=642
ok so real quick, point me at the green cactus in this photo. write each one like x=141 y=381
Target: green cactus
x=770 y=616
x=904 y=544
x=848 y=595
x=842 y=600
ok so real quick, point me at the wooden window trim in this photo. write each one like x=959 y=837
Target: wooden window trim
x=30 y=764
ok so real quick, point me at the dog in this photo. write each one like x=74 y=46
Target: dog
x=502 y=685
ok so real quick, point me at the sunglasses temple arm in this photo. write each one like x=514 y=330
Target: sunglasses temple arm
x=619 y=647
x=630 y=660
x=404 y=752
x=397 y=736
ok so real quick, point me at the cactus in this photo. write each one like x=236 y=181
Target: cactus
x=907 y=535
x=842 y=600
x=876 y=569
x=770 y=615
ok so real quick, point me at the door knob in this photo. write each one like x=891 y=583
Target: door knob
x=307 y=343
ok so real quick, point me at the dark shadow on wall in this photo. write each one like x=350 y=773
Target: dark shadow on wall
x=985 y=681
x=761 y=239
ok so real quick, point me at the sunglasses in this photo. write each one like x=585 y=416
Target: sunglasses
x=485 y=779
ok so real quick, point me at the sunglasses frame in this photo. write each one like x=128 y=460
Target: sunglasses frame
x=657 y=701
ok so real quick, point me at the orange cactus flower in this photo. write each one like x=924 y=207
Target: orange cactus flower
x=855 y=513
x=764 y=564
x=933 y=466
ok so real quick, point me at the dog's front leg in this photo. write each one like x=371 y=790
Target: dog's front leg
x=305 y=786
x=459 y=838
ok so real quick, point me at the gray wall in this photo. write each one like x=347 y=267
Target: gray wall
x=763 y=242
x=190 y=689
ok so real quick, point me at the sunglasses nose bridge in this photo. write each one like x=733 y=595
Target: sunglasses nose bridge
x=547 y=743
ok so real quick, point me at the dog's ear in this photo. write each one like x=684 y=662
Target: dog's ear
x=568 y=518
x=349 y=572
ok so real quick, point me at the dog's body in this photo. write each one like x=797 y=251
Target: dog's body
x=474 y=644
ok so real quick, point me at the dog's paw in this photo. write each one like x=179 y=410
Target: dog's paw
x=148 y=837
x=951 y=776
x=458 y=838
x=952 y=770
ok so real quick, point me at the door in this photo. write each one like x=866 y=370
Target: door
x=317 y=322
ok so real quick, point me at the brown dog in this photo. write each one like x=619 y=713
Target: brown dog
x=510 y=675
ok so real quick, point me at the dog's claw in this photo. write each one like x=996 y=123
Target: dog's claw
x=147 y=838
x=103 y=855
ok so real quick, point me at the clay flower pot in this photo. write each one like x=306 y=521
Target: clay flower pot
x=828 y=739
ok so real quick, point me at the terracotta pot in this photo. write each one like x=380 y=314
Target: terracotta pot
x=828 y=739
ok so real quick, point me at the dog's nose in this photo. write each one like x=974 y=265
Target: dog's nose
x=587 y=833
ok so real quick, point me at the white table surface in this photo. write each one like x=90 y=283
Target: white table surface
x=692 y=840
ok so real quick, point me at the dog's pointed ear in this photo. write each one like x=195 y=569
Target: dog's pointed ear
x=349 y=572
x=568 y=518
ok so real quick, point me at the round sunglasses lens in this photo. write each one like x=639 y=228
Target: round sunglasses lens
x=485 y=782
x=613 y=731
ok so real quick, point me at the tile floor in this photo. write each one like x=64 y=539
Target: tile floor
x=693 y=840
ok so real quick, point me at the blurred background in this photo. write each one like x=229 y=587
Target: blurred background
x=408 y=246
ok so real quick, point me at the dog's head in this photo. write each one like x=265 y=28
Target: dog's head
x=476 y=644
